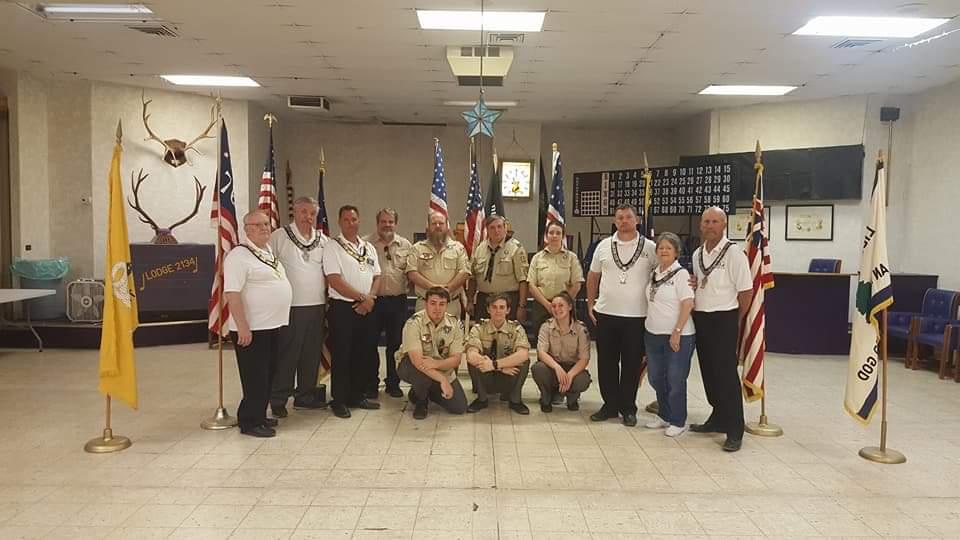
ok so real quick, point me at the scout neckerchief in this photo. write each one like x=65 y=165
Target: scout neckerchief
x=707 y=270
x=492 y=261
x=633 y=260
x=270 y=261
x=655 y=283
x=305 y=249
x=360 y=257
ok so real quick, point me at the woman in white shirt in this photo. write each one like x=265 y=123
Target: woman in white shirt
x=669 y=335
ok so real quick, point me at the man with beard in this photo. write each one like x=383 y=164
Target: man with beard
x=438 y=261
x=499 y=266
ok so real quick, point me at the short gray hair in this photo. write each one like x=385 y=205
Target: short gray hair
x=306 y=200
x=673 y=239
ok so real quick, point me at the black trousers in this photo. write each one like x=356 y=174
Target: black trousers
x=619 y=361
x=257 y=363
x=423 y=387
x=300 y=345
x=350 y=352
x=388 y=316
x=717 y=354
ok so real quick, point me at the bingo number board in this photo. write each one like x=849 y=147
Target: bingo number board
x=677 y=191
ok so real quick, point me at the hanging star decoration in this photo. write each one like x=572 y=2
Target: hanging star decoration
x=480 y=119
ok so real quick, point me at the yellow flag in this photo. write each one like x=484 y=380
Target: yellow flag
x=118 y=373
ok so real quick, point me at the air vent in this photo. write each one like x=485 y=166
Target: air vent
x=477 y=52
x=505 y=38
x=473 y=80
x=854 y=42
x=313 y=103
x=161 y=30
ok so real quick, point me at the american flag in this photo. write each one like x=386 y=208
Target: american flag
x=223 y=217
x=323 y=223
x=475 y=214
x=752 y=329
x=268 y=188
x=555 y=210
x=438 y=191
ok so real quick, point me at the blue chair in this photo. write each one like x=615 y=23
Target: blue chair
x=829 y=266
x=940 y=334
x=938 y=304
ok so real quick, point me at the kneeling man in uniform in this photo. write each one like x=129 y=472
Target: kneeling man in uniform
x=498 y=356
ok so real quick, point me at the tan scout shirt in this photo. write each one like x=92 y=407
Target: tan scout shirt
x=566 y=348
x=438 y=266
x=553 y=273
x=509 y=270
x=510 y=337
x=434 y=340
x=393 y=264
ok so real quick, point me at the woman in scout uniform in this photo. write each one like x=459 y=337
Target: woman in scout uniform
x=563 y=349
x=553 y=270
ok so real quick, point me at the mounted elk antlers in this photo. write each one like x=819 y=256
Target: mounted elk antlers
x=175 y=150
x=162 y=235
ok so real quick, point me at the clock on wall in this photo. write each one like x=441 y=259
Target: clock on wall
x=516 y=179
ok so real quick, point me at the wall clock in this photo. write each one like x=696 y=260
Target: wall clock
x=516 y=179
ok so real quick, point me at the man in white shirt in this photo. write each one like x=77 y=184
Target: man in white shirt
x=353 y=274
x=390 y=312
x=258 y=296
x=620 y=272
x=722 y=297
x=299 y=246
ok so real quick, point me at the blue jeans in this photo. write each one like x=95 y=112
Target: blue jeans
x=667 y=371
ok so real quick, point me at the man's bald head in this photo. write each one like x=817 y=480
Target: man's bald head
x=714 y=212
x=713 y=225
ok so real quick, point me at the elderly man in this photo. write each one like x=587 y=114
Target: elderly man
x=498 y=356
x=430 y=354
x=438 y=261
x=353 y=274
x=499 y=266
x=722 y=298
x=390 y=311
x=259 y=297
x=617 y=304
x=299 y=246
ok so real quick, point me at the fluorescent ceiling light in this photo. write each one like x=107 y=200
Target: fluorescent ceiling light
x=209 y=80
x=746 y=90
x=494 y=104
x=875 y=27
x=95 y=12
x=495 y=21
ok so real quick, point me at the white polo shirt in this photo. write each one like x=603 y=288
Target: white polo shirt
x=304 y=267
x=623 y=299
x=265 y=291
x=664 y=310
x=336 y=260
x=729 y=277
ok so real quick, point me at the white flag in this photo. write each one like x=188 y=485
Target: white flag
x=874 y=294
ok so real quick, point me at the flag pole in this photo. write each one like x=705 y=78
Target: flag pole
x=221 y=419
x=882 y=454
x=108 y=442
x=763 y=428
x=654 y=406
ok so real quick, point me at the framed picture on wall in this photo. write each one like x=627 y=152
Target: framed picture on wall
x=516 y=179
x=739 y=222
x=809 y=222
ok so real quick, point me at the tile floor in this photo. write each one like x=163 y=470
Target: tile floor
x=492 y=475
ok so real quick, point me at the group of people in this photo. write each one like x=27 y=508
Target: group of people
x=280 y=286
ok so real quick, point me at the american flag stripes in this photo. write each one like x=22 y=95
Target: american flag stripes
x=223 y=216
x=268 y=188
x=475 y=230
x=752 y=344
x=555 y=208
x=438 y=190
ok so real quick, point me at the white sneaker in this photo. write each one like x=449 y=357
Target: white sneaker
x=657 y=423
x=674 y=431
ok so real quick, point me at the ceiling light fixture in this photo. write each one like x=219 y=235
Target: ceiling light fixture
x=491 y=104
x=95 y=12
x=746 y=90
x=875 y=27
x=494 y=21
x=210 y=80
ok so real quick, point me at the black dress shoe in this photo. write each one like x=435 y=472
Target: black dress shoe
x=602 y=415
x=630 y=419
x=704 y=428
x=340 y=410
x=478 y=405
x=732 y=445
x=373 y=393
x=310 y=404
x=271 y=422
x=394 y=391
x=259 y=431
x=279 y=411
x=420 y=410
x=365 y=404
x=519 y=407
x=573 y=404
x=546 y=407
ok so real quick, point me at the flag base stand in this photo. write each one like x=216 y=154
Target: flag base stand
x=882 y=455
x=107 y=443
x=653 y=407
x=220 y=420
x=762 y=428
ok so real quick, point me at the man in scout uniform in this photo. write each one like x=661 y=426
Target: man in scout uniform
x=498 y=356
x=499 y=266
x=430 y=354
x=438 y=261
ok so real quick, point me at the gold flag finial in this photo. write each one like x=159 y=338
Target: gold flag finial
x=880 y=156
x=556 y=147
x=757 y=153
x=219 y=101
x=646 y=166
x=270 y=119
x=120 y=131
x=323 y=159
